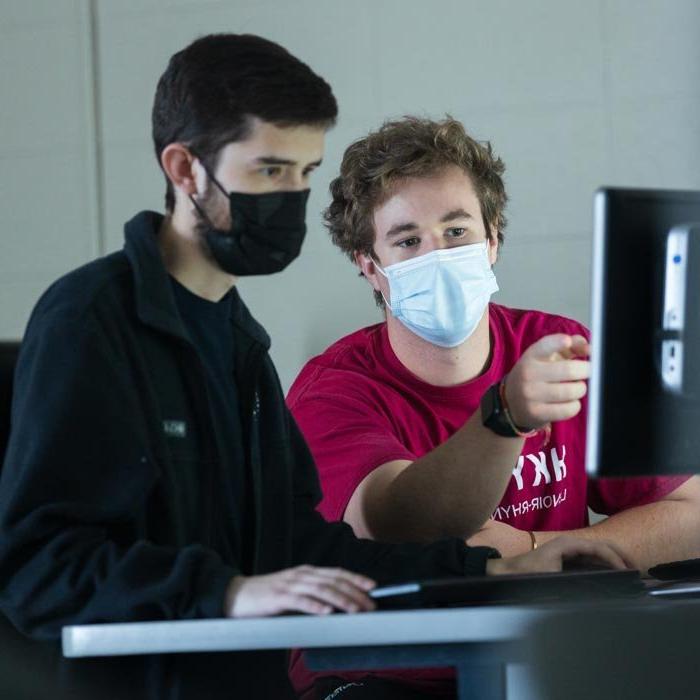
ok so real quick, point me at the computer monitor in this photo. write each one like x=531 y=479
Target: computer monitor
x=644 y=391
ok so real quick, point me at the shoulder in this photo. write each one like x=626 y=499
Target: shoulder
x=84 y=289
x=72 y=330
x=529 y=324
x=350 y=359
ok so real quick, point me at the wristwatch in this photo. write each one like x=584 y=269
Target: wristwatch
x=492 y=414
x=495 y=415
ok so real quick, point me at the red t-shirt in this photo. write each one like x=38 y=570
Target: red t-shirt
x=359 y=407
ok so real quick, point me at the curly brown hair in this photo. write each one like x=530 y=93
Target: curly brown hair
x=409 y=147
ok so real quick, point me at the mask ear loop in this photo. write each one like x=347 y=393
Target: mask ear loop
x=205 y=216
x=379 y=268
x=209 y=174
x=213 y=179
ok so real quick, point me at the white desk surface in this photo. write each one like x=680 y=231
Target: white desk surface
x=477 y=624
x=453 y=625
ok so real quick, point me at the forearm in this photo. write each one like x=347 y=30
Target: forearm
x=651 y=534
x=452 y=490
x=509 y=541
x=321 y=543
x=69 y=582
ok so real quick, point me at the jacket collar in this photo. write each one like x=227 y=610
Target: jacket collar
x=155 y=302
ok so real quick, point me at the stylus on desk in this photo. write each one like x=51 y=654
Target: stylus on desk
x=682 y=588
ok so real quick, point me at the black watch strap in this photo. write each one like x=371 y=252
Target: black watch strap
x=493 y=414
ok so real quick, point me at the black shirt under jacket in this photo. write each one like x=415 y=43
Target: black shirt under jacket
x=109 y=408
x=210 y=329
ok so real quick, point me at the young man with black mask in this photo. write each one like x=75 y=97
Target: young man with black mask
x=153 y=471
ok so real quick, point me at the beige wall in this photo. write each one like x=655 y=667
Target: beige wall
x=572 y=94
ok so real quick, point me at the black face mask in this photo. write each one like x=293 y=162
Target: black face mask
x=266 y=234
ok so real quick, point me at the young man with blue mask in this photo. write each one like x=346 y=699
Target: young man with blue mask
x=153 y=470
x=458 y=416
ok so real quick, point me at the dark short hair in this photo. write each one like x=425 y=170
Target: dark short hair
x=211 y=89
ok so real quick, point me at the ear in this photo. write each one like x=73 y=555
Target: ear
x=181 y=168
x=493 y=245
x=368 y=269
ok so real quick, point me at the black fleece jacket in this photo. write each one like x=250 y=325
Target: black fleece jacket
x=110 y=408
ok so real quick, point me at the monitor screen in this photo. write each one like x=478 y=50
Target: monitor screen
x=644 y=392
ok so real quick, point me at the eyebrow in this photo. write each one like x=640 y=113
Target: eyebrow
x=400 y=228
x=273 y=160
x=410 y=226
x=455 y=214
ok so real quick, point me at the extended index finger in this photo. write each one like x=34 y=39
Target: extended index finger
x=549 y=345
x=579 y=347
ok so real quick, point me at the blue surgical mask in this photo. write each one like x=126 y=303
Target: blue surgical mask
x=442 y=296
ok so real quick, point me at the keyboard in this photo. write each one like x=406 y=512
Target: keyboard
x=673 y=570
x=510 y=588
